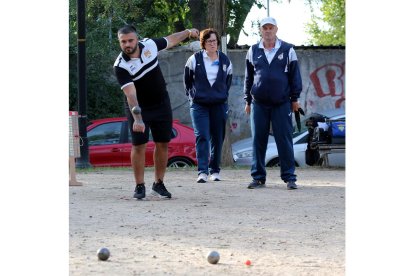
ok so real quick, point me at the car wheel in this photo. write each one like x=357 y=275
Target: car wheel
x=273 y=163
x=179 y=162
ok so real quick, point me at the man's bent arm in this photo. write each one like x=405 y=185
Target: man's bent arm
x=176 y=38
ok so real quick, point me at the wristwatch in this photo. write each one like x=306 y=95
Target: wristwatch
x=136 y=110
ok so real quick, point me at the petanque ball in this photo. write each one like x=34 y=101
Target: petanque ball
x=213 y=257
x=103 y=254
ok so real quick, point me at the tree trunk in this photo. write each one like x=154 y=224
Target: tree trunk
x=216 y=15
x=216 y=18
x=227 y=155
x=198 y=14
x=240 y=15
x=179 y=26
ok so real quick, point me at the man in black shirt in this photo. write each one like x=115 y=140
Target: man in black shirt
x=147 y=101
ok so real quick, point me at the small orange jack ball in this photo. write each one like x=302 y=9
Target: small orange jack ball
x=248 y=262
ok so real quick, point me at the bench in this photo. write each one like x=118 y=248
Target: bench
x=326 y=149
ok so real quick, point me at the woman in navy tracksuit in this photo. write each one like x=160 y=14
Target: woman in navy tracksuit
x=207 y=80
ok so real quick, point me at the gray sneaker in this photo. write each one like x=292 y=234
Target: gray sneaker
x=291 y=185
x=255 y=184
x=158 y=189
x=139 y=191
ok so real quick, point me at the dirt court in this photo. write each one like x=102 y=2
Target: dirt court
x=282 y=232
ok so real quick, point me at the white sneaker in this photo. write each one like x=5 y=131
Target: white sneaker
x=202 y=178
x=215 y=177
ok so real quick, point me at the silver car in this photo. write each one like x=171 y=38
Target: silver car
x=243 y=152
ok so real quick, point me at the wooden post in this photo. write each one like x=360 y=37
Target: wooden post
x=74 y=147
x=72 y=172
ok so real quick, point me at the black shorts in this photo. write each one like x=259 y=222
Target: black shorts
x=158 y=119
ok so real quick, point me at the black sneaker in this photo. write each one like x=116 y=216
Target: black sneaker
x=159 y=189
x=291 y=185
x=139 y=191
x=256 y=184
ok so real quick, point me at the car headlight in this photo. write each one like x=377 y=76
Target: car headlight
x=243 y=154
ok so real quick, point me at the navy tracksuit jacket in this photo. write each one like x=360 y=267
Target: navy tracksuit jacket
x=272 y=87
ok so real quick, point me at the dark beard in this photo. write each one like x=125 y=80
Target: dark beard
x=131 y=51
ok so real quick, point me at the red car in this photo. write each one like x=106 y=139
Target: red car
x=110 y=144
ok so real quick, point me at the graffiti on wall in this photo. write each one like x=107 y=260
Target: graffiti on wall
x=329 y=84
x=326 y=90
x=237 y=116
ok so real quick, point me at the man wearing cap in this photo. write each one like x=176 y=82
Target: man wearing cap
x=272 y=87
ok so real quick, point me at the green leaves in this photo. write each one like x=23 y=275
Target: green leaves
x=328 y=29
x=152 y=18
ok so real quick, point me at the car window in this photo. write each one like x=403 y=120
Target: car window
x=302 y=140
x=105 y=134
x=173 y=135
x=130 y=139
x=303 y=127
x=297 y=133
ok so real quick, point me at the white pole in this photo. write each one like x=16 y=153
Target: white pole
x=224 y=44
x=268 y=9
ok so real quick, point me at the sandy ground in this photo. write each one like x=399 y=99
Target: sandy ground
x=299 y=232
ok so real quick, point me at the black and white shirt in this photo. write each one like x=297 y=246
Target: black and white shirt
x=144 y=72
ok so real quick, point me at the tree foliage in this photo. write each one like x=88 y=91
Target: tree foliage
x=154 y=18
x=237 y=12
x=328 y=29
x=103 y=18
